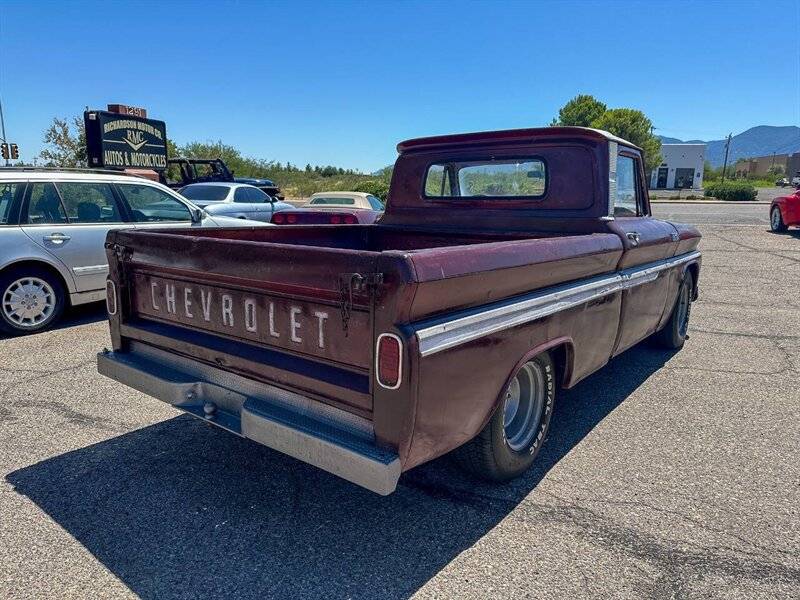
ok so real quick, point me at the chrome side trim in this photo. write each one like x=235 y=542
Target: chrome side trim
x=90 y=270
x=485 y=321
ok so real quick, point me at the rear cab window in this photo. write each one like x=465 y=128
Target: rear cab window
x=517 y=178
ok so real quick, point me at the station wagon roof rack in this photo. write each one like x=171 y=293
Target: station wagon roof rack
x=66 y=169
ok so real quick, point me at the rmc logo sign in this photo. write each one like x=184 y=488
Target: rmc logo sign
x=125 y=141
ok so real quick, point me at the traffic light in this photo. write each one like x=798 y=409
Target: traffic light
x=14 y=152
x=4 y=150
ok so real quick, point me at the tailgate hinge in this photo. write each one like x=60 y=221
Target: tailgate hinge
x=355 y=282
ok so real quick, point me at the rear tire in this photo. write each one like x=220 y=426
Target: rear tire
x=31 y=299
x=674 y=333
x=776 y=220
x=510 y=441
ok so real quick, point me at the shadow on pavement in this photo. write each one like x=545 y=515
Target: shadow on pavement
x=83 y=314
x=183 y=509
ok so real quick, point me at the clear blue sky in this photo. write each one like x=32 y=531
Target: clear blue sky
x=341 y=83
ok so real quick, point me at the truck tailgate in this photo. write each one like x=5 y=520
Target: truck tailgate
x=275 y=312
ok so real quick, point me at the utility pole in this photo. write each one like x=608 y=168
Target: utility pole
x=3 y=125
x=725 y=164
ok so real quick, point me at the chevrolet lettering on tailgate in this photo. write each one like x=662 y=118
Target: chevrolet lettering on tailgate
x=274 y=321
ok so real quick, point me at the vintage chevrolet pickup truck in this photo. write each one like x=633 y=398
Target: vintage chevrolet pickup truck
x=507 y=264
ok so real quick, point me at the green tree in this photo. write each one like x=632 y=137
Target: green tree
x=66 y=143
x=632 y=125
x=581 y=111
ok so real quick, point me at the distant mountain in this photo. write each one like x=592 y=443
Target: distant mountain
x=763 y=140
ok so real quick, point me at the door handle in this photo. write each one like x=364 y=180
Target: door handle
x=56 y=238
x=634 y=237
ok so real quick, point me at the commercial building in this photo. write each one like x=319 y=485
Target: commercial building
x=681 y=167
x=761 y=165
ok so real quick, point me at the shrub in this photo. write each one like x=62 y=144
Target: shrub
x=731 y=191
x=375 y=187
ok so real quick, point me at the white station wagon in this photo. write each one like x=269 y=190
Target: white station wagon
x=53 y=226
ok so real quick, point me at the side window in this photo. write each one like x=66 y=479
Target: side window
x=375 y=203
x=258 y=196
x=7 y=192
x=150 y=204
x=89 y=202
x=44 y=205
x=626 y=201
x=241 y=195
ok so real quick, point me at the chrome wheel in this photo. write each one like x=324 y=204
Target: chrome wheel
x=776 y=222
x=28 y=302
x=684 y=307
x=522 y=409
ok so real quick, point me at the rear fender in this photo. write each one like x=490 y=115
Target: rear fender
x=562 y=352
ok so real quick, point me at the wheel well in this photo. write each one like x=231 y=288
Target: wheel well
x=562 y=357
x=694 y=271
x=39 y=265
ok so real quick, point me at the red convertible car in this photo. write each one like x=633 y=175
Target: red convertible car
x=785 y=212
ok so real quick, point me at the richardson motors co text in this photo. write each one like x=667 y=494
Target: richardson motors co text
x=134 y=138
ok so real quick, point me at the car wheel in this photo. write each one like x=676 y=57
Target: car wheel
x=674 y=333
x=510 y=441
x=31 y=299
x=776 y=220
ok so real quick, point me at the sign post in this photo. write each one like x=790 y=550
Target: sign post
x=125 y=141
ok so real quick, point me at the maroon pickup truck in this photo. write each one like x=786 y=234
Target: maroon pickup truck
x=507 y=264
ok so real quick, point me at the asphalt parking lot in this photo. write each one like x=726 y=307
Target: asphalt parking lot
x=664 y=476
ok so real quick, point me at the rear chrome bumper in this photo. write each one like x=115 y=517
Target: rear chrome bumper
x=320 y=435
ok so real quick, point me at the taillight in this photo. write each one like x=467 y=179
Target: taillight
x=335 y=219
x=278 y=218
x=389 y=361
x=111 y=297
x=350 y=219
x=291 y=219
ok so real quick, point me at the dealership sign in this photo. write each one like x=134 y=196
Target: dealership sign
x=125 y=141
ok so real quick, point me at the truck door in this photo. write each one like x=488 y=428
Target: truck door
x=646 y=240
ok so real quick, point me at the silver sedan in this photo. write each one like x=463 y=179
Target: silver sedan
x=239 y=200
x=53 y=226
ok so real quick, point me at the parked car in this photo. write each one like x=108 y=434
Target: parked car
x=796 y=179
x=507 y=264
x=186 y=171
x=783 y=182
x=236 y=200
x=784 y=212
x=333 y=208
x=265 y=185
x=53 y=227
x=346 y=200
